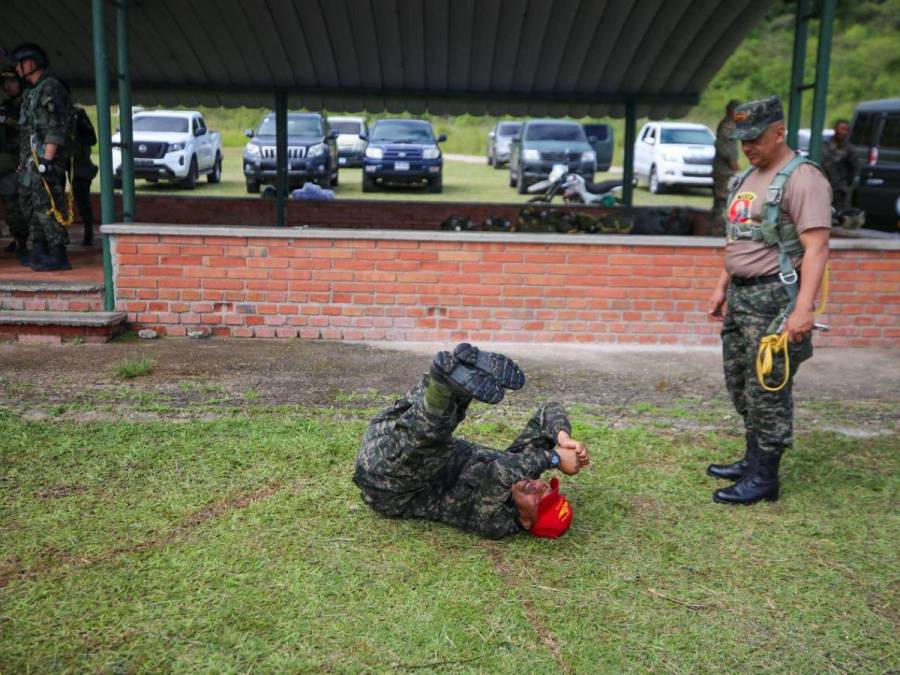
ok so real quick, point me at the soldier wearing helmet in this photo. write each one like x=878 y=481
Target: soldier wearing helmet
x=9 y=160
x=44 y=157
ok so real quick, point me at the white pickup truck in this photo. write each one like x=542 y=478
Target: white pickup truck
x=172 y=145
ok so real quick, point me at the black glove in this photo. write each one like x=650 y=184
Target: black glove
x=46 y=168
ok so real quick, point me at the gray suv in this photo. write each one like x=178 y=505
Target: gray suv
x=499 y=141
x=542 y=144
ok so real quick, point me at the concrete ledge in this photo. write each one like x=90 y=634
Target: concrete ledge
x=239 y=231
x=84 y=319
x=25 y=286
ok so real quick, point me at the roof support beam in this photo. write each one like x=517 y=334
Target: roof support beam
x=796 y=98
x=281 y=152
x=820 y=96
x=126 y=146
x=107 y=209
x=628 y=161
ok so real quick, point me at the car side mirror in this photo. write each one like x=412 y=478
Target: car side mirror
x=491 y=134
x=650 y=141
x=248 y=133
x=364 y=137
x=442 y=138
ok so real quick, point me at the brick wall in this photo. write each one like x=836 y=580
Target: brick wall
x=447 y=287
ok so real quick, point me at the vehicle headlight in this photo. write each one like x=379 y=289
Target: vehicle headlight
x=175 y=147
x=316 y=150
x=589 y=156
x=251 y=150
x=670 y=157
x=531 y=155
x=374 y=153
x=431 y=153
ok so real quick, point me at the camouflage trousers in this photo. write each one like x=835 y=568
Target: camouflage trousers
x=34 y=203
x=769 y=415
x=18 y=228
x=409 y=454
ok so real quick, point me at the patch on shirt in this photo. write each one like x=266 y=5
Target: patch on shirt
x=741 y=205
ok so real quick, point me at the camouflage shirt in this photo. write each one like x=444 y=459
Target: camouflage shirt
x=448 y=479
x=83 y=139
x=9 y=134
x=726 y=149
x=45 y=118
x=840 y=164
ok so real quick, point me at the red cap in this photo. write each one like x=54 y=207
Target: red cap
x=554 y=514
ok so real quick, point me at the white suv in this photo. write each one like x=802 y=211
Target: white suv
x=674 y=153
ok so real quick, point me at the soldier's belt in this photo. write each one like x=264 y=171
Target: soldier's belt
x=755 y=281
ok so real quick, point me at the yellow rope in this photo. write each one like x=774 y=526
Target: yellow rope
x=773 y=344
x=65 y=221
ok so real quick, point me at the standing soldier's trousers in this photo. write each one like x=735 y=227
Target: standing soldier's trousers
x=81 y=187
x=34 y=203
x=9 y=193
x=769 y=415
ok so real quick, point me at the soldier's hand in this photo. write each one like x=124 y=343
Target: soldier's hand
x=716 y=305
x=799 y=324
x=572 y=453
x=46 y=168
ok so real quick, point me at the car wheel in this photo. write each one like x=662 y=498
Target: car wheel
x=653 y=182
x=253 y=187
x=512 y=180
x=521 y=188
x=436 y=184
x=368 y=184
x=215 y=176
x=335 y=179
x=190 y=181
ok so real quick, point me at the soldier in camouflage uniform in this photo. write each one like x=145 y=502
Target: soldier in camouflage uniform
x=725 y=164
x=9 y=160
x=44 y=158
x=411 y=466
x=758 y=299
x=840 y=164
x=83 y=139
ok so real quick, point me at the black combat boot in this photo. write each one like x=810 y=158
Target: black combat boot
x=88 y=239
x=760 y=483
x=57 y=260
x=470 y=372
x=38 y=255
x=740 y=468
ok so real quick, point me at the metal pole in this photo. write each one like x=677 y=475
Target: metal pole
x=628 y=160
x=127 y=144
x=281 y=158
x=107 y=210
x=795 y=104
x=823 y=63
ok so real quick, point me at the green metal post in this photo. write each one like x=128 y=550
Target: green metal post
x=795 y=103
x=281 y=151
x=127 y=145
x=628 y=168
x=107 y=209
x=823 y=63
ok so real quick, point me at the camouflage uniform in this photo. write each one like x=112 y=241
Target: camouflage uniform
x=410 y=466
x=767 y=415
x=45 y=118
x=9 y=160
x=840 y=165
x=726 y=153
x=83 y=139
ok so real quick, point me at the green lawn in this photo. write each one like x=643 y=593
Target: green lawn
x=239 y=544
x=463 y=182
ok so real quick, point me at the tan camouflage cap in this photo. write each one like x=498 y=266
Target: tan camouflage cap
x=752 y=118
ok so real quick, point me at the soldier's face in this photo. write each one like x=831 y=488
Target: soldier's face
x=841 y=131
x=527 y=494
x=766 y=147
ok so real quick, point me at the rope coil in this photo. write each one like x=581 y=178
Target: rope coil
x=67 y=220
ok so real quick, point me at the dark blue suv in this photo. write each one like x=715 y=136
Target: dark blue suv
x=402 y=152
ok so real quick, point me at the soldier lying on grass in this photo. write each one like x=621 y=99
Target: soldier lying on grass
x=411 y=466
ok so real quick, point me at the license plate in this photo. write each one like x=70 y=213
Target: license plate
x=342 y=160
x=401 y=166
x=143 y=162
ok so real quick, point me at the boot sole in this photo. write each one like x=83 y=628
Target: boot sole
x=479 y=384
x=502 y=368
x=770 y=498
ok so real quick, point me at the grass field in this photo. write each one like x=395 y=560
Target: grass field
x=235 y=542
x=463 y=182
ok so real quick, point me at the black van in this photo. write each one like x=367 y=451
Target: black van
x=600 y=136
x=875 y=137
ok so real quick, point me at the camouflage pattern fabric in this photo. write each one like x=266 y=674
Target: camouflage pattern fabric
x=751 y=312
x=9 y=160
x=45 y=118
x=81 y=187
x=410 y=466
x=726 y=154
x=754 y=117
x=83 y=139
x=840 y=165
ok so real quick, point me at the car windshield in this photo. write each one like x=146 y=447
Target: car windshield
x=153 y=123
x=554 y=132
x=598 y=131
x=687 y=137
x=508 y=128
x=402 y=132
x=297 y=126
x=346 y=127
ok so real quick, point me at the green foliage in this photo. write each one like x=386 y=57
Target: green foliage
x=134 y=368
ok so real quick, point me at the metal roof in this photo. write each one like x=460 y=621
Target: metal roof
x=519 y=57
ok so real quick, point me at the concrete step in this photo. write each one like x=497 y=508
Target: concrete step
x=51 y=295
x=55 y=327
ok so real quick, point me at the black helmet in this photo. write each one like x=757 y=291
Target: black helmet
x=29 y=50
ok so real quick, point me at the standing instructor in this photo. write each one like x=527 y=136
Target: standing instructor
x=778 y=222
